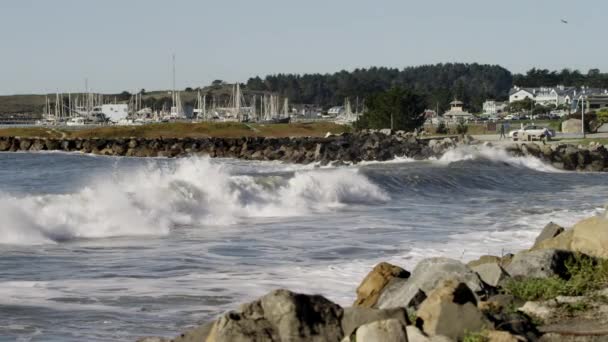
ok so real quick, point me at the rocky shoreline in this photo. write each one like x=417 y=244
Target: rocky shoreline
x=349 y=148
x=555 y=291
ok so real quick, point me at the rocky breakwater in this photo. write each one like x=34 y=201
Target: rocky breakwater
x=378 y=145
x=555 y=291
x=592 y=157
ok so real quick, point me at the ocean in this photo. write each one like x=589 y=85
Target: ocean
x=111 y=249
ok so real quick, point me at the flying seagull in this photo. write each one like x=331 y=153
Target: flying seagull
x=564 y=21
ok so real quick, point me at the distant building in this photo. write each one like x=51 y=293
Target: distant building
x=115 y=112
x=556 y=96
x=337 y=110
x=456 y=113
x=492 y=107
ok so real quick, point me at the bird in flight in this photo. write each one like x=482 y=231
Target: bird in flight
x=564 y=21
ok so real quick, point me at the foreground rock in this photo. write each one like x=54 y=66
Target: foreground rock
x=589 y=236
x=427 y=275
x=451 y=310
x=374 y=283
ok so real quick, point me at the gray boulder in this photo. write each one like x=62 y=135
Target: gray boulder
x=542 y=263
x=491 y=273
x=428 y=274
x=355 y=317
x=451 y=310
x=550 y=231
x=281 y=316
x=390 y=330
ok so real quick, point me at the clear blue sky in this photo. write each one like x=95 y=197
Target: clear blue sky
x=127 y=44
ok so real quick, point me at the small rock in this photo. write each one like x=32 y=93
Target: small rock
x=539 y=310
x=356 y=316
x=501 y=336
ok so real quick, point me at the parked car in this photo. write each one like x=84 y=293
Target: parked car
x=531 y=132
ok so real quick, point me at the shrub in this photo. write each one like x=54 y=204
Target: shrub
x=586 y=275
x=462 y=128
x=441 y=128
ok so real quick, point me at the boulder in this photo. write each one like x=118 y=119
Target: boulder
x=355 y=317
x=415 y=335
x=428 y=274
x=550 y=231
x=451 y=310
x=589 y=236
x=197 y=334
x=484 y=259
x=390 y=330
x=542 y=263
x=281 y=315
x=491 y=273
x=371 y=287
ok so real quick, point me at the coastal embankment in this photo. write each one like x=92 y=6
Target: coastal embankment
x=370 y=145
x=350 y=148
x=555 y=291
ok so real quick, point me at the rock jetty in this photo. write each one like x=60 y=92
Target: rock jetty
x=369 y=145
x=555 y=291
x=592 y=157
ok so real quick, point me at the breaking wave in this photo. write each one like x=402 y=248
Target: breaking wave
x=494 y=154
x=154 y=199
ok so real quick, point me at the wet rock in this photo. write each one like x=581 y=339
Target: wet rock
x=428 y=274
x=371 y=287
x=451 y=310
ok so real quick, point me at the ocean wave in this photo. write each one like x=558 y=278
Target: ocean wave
x=493 y=154
x=153 y=199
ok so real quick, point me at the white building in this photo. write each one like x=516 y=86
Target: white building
x=492 y=107
x=456 y=113
x=543 y=95
x=114 y=112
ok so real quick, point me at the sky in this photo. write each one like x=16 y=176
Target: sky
x=54 y=45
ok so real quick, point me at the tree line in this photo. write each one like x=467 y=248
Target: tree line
x=438 y=84
x=544 y=77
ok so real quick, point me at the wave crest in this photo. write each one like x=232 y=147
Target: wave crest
x=193 y=191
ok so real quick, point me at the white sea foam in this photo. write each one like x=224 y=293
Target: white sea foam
x=496 y=154
x=194 y=191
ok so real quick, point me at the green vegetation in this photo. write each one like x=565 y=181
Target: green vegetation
x=397 y=108
x=476 y=336
x=182 y=130
x=545 y=78
x=462 y=128
x=586 y=275
x=440 y=83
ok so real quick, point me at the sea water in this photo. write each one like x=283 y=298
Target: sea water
x=111 y=249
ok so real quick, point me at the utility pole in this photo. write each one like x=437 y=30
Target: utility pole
x=392 y=128
x=583 y=115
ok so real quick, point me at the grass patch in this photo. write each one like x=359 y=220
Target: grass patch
x=476 y=336
x=183 y=130
x=586 y=275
